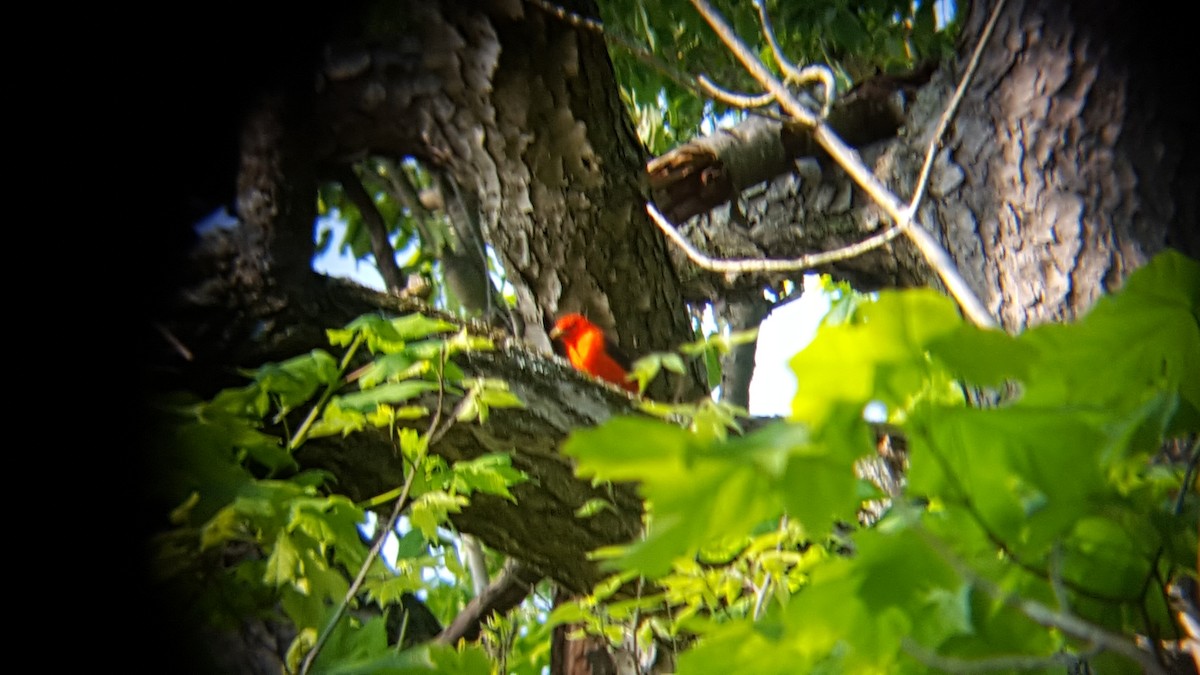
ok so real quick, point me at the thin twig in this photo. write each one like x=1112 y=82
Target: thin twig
x=1189 y=474
x=639 y=52
x=935 y=141
x=963 y=495
x=760 y=601
x=431 y=436
x=848 y=159
x=1045 y=616
x=319 y=407
x=377 y=229
x=637 y=616
x=1054 y=573
x=700 y=85
x=745 y=265
x=734 y=99
x=798 y=76
x=175 y=342
x=402 y=186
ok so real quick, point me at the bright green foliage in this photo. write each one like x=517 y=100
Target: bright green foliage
x=1043 y=499
x=483 y=395
x=878 y=356
x=649 y=366
x=227 y=464
x=1046 y=500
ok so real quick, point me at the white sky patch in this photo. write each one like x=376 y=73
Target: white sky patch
x=786 y=330
x=336 y=264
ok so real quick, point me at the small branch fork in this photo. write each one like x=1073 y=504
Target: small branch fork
x=904 y=216
x=1097 y=637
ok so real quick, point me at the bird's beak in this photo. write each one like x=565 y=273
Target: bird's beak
x=555 y=333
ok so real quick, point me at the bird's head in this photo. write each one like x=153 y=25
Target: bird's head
x=567 y=325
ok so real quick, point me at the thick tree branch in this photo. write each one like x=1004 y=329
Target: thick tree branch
x=711 y=170
x=381 y=246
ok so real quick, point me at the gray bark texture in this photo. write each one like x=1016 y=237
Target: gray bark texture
x=1071 y=161
x=1069 y=164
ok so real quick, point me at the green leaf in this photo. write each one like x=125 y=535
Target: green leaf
x=821 y=486
x=495 y=394
x=646 y=369
x=389 y=336
x=415 y=326
x=266 y=450
x=465 y=342
x=698 y=492
x=985 y=357
x=283 y=564
x=1147 y=336
x=390 y=590
x=674 y=363
x=961 y=453
x=386 y=416
x=430 y=510
x=1101 y=555
x=362 y=650
x=338 y=420
x=411 y=545
x=413 y=445
x=627 y=448
x=296 y=380
x=469 y=660
x=593 y=506
x=880 y=355
x=398 y=366
x=712 y=368
x=394 y=392
x=491 y=474
x=571 y=611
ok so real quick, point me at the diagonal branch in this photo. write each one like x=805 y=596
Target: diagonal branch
x=511 y=587
x=758 y=264
x=432 y=435
x=1068 y=623
x=935 y=141
x=381 y=246
x=903 y=215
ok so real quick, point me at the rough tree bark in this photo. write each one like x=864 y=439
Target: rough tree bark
x=1071 y=161
x=1068 y=166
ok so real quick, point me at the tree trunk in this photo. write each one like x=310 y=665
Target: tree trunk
x=1068 y=165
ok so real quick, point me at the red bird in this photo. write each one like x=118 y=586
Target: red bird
x=590 y=350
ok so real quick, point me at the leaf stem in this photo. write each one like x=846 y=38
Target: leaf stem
x=432 y=434
x=306 y=427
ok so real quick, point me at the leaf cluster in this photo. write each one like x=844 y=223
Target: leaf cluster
x=1040 y=520
x=1043 y=506
x=288 y=543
